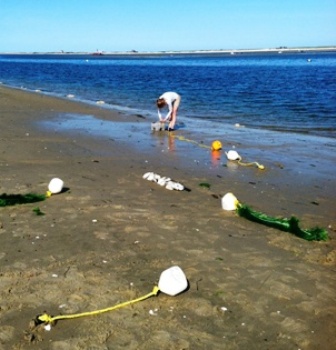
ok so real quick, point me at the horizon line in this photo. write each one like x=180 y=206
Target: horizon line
x=279 y=49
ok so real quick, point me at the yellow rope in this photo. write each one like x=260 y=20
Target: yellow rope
x=182 y=138
x=48 y=319
x=260 y=166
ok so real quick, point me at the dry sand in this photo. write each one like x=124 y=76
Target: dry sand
x=110 y=235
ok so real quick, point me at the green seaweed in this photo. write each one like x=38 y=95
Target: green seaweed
x=14 y=199
x=205 y=185
x=288 y=225
x=38 y=211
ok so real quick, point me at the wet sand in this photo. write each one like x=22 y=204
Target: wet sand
x=108 y=237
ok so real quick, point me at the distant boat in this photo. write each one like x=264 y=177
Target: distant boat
x=97 y=53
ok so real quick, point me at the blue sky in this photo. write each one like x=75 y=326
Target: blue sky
x=158 y=25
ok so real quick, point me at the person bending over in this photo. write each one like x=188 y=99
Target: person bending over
x=172 y=101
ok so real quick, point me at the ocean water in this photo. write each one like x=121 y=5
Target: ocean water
x=293 y=93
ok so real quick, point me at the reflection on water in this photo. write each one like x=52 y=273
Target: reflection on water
x=171 y=142
x=194 y=146
x=216 y=158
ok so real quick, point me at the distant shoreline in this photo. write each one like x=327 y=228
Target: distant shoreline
x=278 y=50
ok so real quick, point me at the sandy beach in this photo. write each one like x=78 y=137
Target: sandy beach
x=107 y=238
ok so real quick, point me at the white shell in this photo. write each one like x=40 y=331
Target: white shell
x=173 y=281
x=170 y=185
x=164 y=180
x=148 y=176
x=229 y=202
x=47 y=327
x=55 y=185
x=179 y=187
x=233 y=155
x=151 y=177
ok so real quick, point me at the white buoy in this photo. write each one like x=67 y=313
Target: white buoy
x=233 y=155
x=173 y=281
x=229 y=202
x=55 y=185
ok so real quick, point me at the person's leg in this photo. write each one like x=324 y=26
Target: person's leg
x=174 y=114
x=172 y=122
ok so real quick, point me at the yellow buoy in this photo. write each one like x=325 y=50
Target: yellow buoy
x=216 y=145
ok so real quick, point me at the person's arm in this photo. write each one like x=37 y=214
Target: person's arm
x=160 y=116
x=170 y=107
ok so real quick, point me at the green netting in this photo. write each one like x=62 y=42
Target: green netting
x=14 y=199
x=288 y=225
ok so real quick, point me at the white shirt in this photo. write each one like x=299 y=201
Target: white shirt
x=170 y=97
